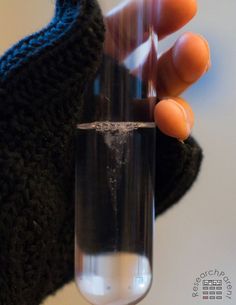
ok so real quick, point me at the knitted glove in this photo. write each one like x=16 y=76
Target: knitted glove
x=42 y=79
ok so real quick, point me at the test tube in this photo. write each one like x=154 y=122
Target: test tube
x=115 y=161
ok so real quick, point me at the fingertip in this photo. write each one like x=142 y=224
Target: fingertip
x=172 y=119
x=191 y=57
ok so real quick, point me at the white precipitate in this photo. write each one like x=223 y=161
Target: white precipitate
x=114 y=278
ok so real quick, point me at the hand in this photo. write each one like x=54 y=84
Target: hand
x=176 y=69
x=43 y=78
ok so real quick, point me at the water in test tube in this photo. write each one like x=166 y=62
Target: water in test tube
x=115 y=161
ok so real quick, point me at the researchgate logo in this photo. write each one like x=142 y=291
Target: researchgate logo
x=212 y=285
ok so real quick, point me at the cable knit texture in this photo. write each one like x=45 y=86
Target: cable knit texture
x=42 y=79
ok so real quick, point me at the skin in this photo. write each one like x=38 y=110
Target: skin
x=176 y=69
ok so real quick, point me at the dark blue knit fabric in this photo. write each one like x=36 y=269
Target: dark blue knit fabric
x=42 y=80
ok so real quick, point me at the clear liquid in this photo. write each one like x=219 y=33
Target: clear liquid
x=114 y=211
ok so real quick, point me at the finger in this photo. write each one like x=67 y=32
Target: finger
x=171 y=15
x=174 y=117
x=129 y=23
x=182 y=65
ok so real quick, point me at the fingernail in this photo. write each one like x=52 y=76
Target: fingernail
x=186 y=122
x=189 y=65
x=208 y=66
x=172 y=119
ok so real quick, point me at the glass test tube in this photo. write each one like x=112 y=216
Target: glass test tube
x=115 y=161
